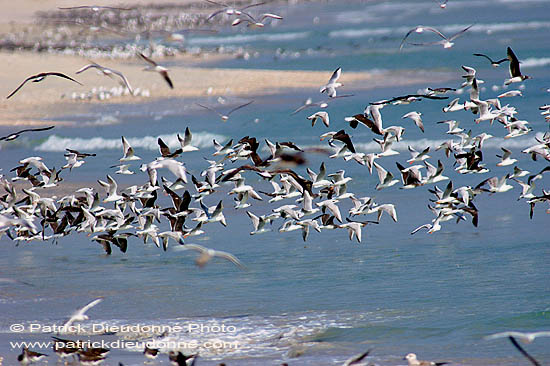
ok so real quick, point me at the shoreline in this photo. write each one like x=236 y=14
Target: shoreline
x=40 y=104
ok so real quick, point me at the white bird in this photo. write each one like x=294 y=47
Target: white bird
x=332 y=207
x=524 y=337
x=413 y=361
x=321 y=115
x=80 y=314
x=258 y=223
x=225 y=117
x=207 y=254
x=108 y=72
x=415 y=116
x=128 y=151
x=388 y=208
x=163 y=71
x=453 y=106
x=386 y=178
x=185 y=142
x=446 y=42
x=505 y=158
x=111 y=188
x=418 y=156
x=330 y=87
x=177 y=168
x=510 y=93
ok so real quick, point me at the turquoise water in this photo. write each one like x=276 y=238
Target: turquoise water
x=328 y=298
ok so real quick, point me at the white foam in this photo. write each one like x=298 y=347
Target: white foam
x=445 y=29
x=535 y=62
x=58 y=143
x=245 y=38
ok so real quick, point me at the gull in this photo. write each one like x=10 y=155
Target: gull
x=122 y=169
x=80 y=314
x=433 y=174
x=442 y=3
x=39 y=77
x=361 y=118
x=518 y=172
x=411 y=176
x=36 y=161
x=318 y=179
x=321 y=115
x=207 y=254
x=330 y=87
x=510 y=93
x=163 y=71
x=418 y=156
x=432 y=228
x=526 y=189
x=14 y=135
x=524 y=337
x=27 y=356
x=385 y=177
x=111 y=188
x=453 y=126
x=415 y=116
x=186 y=141
x=258 y=223
x=223 y=150
x=321 y=104
x=253 y=22
x=332 y=207
x=165 y=150
x=446 y=42
x=380 y=209
x=505 y=158
x=229 y=10
x=225 y=117
x=493 y=62
x=72 y=161
x=411 y=359
x=107 y=72
x=485 y=113
x=128 y=151
x=151 y=353
x=354 y=228
x=175 y=167
x=515 y=73
x=496 y=185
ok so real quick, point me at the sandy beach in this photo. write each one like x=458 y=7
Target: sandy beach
x=37 y=104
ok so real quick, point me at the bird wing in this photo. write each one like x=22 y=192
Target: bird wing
x=168 y=80
x=21 y=85
x=147 y=59
x=514 y=63
x=239 y=107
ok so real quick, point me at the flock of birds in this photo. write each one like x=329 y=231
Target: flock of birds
x=299 y=202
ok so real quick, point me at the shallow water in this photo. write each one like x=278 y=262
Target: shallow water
x=318 y=302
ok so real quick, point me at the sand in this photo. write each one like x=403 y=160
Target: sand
x=44 y=102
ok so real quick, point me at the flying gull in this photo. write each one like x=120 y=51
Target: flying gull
x=39 y=77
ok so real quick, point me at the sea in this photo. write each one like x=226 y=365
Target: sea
x=324 y=300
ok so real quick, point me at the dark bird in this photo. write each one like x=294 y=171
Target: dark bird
x=493 y=62
x=39 y=77
x=79 y=154
x=163 y=71
x=515 y=73
x=342 y=136
x=165 y=150
x=13 y=136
